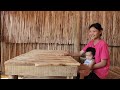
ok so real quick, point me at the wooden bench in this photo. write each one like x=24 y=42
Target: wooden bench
x=114 y=73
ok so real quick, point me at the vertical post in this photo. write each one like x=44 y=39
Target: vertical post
x=13 y=77
x=0 y=43
x=69 y=77
x=77 y=34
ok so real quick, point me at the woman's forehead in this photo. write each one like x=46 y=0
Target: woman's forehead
x=93 y=29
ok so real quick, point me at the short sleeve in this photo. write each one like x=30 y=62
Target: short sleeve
x=104 y=52
x=86 y=46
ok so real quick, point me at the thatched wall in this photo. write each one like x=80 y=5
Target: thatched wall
x=39 y=27
x=22 y=31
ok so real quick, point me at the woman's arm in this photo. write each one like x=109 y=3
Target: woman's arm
x=100 y=64
x=104 y=57
x=75 y=54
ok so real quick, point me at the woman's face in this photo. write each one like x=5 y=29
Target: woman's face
x=94 y=33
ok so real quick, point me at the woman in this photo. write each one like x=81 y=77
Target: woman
x=102 y=59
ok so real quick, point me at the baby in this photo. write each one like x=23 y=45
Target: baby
x=86 y=67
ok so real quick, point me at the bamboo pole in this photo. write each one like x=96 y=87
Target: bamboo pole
x=77 y=35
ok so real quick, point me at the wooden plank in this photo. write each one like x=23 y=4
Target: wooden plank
x=38 y=62
x=115 y=69
x=113 y=75
x=36 y=59
x=56 y=64
x=13 y=77
x=77 y=35
x=41 y=71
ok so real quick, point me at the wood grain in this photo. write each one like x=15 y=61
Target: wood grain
x=43 y=57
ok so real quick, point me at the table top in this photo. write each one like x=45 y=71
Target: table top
x=42 y=58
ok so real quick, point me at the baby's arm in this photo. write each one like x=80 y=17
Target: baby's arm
x=91 y=64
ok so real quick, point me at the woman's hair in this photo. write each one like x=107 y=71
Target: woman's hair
x=97 y=26
x=92 y=50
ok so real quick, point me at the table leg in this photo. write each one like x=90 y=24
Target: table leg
x=13 y=77
x=69 y=77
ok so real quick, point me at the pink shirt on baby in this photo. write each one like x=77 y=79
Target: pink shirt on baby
x=102 y=52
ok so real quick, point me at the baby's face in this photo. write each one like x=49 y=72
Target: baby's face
x=88 y=55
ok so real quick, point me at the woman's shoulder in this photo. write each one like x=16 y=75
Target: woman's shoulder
x=91 y=41
x=103 y=42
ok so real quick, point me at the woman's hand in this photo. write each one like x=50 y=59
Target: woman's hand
x=67 y=54
x=85 y=72
x=75 y=54
x=84 y=67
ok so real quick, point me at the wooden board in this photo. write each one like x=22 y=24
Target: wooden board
x=113 y=75
x=115 y=69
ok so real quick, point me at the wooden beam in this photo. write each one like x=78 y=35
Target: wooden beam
x=77 y=35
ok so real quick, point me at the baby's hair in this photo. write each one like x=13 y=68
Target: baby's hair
x=91 y=49
x=97 y=26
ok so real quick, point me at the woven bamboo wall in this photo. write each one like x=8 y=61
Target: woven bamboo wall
x=22 y=31
x=39 y=27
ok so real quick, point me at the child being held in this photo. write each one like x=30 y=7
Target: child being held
x=85 y=68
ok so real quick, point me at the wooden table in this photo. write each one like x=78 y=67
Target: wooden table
x=42 y=63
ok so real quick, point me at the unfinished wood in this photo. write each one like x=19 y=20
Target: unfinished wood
x=113 y=75
x=77 y=36
x=41 y=71
x=41 y=63
x=16 y=49
x=42 y=57
x=13 y=77
x=69 y=77
x=115 y=69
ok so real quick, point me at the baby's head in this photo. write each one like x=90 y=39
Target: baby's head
x=90 y=53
